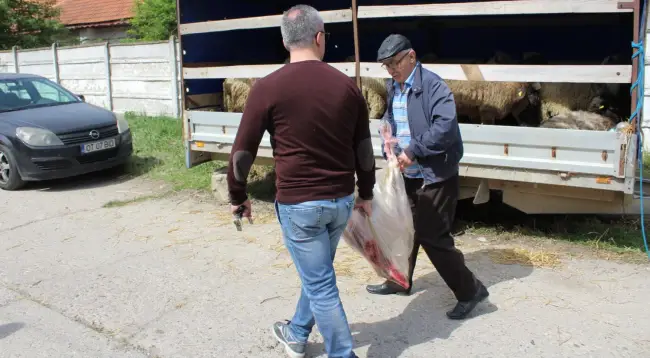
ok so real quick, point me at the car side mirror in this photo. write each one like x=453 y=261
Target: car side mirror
x=82 y=97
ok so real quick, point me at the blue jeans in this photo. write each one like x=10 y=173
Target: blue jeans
x=311 y=233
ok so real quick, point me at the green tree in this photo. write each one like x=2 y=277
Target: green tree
x=29 y=24
x=153 y=20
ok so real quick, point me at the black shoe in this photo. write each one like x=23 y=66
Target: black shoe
x=389 y=288
x=462 y=309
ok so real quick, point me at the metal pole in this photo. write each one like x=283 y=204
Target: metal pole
x=55 y=63
x=183 y=90
x=14 y=52
x=174 y=68
x=635 y=6
x=107 y=66
x=355 y=27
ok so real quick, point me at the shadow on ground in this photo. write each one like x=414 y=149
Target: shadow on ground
x=424 y=318
x=498 y=218
x=135 y=167
x=7 y=330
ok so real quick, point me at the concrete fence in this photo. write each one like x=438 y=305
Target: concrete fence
x=142 y=77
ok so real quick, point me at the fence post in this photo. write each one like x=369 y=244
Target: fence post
x=107 y=65
x=55 y=63
x=173 y=54
x=14 y=52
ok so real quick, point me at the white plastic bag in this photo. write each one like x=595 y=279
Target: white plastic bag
x=385 y=239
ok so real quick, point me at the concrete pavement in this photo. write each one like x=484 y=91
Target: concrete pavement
x=172 y=278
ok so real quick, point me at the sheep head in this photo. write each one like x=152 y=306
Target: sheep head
x=606 y=108
x=524 y=96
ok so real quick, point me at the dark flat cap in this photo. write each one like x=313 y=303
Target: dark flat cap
x=392 y=45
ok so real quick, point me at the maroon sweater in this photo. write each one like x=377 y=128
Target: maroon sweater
x=319 y=127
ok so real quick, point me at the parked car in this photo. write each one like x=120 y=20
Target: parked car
x=47 y=132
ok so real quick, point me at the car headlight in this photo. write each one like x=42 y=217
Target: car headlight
x=37 y=137
x=122 y=124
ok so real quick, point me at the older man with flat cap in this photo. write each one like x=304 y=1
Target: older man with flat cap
x=422 y=113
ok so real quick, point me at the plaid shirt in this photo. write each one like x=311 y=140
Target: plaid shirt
x=400 y=116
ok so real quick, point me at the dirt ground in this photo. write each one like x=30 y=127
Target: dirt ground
x=171 y=277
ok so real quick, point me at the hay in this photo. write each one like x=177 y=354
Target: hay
x=261 y=172
x=629 y=129
x=346 y=264
x=176 y=242
x=264 y=218
x=525 y=257
x=223 y=216
x=279 y=247
x=283 y=265
x=349 y=263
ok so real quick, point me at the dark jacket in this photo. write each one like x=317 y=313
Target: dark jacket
x=436 y=142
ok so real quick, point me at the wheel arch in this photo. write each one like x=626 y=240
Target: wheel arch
x=4 y=140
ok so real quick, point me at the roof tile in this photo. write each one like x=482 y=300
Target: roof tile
x=77 y=12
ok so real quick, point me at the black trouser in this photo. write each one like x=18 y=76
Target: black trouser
x=434 y=209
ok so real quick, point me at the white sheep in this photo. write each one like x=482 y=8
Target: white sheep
x=562 y=98
x=580 y=120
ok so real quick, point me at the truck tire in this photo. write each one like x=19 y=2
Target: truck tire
x=9 y=177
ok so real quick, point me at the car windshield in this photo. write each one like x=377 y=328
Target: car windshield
x=24 y=93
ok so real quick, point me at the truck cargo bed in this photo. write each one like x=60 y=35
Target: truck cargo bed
x=586 y=159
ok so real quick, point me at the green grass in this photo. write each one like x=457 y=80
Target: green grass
x=646 y=166
x=159 y=154
x=616 y=235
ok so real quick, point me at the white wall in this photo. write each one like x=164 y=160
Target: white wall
x=122 y=78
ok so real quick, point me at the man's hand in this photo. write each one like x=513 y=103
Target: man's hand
x=364 y=205
x=404 y=161
x=248 y=211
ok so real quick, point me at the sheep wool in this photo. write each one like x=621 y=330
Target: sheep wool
x=375 y=93
x=579 y=120
x=235 y=93
x=486 y=102
x=562 y=98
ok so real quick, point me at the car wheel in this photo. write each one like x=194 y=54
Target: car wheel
x=9 y=177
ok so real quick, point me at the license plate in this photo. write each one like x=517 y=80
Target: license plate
x=97 y=146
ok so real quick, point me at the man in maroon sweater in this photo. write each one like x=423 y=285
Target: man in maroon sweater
x=319 y=127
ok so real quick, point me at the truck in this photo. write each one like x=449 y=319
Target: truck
x=536 y=170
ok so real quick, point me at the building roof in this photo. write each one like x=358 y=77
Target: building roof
x=95 y=13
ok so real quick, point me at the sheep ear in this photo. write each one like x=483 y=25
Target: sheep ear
x=536 y=86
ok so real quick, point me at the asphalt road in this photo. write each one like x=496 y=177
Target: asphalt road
x=172 y=278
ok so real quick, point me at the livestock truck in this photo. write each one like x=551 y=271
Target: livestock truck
x=536 y=170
